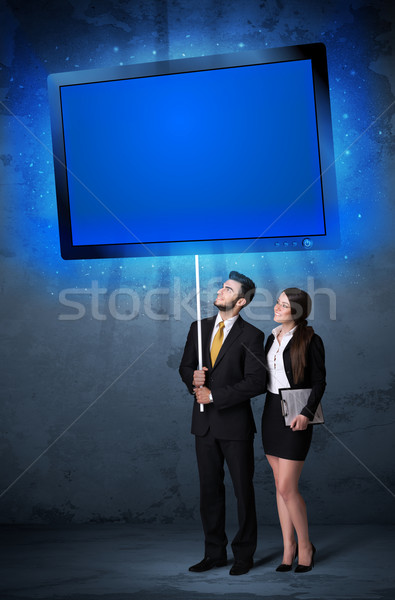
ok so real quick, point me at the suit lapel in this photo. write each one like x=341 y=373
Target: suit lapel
x=207 y=330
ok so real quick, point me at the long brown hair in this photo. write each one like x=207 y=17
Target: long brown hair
x=300 y=303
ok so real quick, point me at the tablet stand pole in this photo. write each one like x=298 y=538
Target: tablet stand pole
x=199 y=319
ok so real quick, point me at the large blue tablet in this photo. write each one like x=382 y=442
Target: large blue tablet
x=226 y=153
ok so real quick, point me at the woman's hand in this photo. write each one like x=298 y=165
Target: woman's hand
x=299 y=423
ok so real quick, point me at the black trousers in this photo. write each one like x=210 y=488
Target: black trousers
x=239 y=456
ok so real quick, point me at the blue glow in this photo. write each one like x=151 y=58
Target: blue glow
x=148 y=154
x=364 y=184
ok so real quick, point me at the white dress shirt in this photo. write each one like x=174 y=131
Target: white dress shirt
x=277 y=376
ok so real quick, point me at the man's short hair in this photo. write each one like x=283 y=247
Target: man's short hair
x=247 y=285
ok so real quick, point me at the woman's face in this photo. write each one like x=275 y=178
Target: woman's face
x=282 y=310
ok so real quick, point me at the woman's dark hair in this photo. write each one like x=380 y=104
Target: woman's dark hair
x=247 y=285
x=300 y=303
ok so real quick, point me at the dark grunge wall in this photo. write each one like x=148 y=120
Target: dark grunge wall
x=94 y=420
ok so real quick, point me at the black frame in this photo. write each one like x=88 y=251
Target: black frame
x=315 y=52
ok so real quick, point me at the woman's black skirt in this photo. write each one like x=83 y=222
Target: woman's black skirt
x=278 y=439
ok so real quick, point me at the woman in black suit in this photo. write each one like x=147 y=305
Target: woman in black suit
x=296 y=359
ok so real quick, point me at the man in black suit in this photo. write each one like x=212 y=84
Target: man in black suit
x=234 y=372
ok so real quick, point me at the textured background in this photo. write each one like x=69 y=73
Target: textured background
x=94 y=419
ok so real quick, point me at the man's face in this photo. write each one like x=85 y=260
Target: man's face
x=228 y=295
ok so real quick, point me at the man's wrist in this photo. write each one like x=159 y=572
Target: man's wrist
x=211 y=397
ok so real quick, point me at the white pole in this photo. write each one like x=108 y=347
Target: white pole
x=199 y=319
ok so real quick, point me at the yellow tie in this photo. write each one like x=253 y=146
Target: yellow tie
x=217 y=342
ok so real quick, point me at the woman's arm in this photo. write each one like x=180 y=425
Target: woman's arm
x=316 y=374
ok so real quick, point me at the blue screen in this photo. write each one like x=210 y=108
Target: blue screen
x=215 y=154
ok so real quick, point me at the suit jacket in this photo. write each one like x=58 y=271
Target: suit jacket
x=314 y=374
x=238 y=375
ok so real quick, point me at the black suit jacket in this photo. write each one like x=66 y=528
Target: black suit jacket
x=314 y=374
x=238 y=375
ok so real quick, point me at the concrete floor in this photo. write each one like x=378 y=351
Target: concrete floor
x=148 y=562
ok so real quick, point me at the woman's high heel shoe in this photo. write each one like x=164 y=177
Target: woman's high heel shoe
x=283 y=568
x=305 y=568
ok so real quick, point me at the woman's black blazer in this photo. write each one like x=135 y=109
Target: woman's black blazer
x=314 y=374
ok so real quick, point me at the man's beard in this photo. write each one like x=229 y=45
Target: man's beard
x=226 y=307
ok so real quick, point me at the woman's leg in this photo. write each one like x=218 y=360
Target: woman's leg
x=288 y=474
x=287 y=528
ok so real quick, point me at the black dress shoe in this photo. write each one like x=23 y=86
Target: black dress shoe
x=283 y=568
x=208 y=563
x=305 y=568
x=240 y=567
